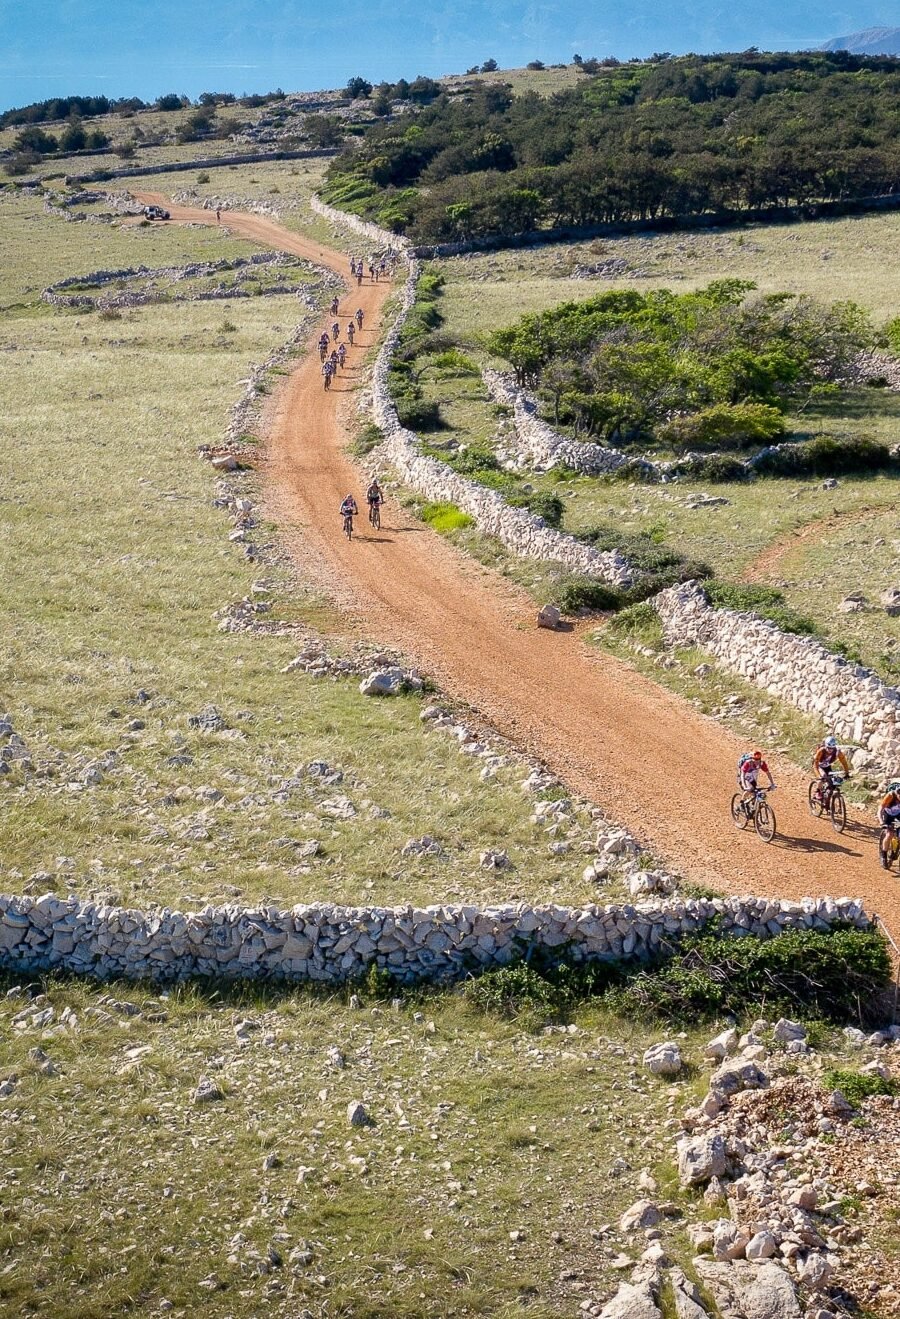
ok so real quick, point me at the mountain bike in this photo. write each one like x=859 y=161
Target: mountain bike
x=755 y=809
x=827 y=799
x=889 y=845
x=348 y=525
x=375 y=514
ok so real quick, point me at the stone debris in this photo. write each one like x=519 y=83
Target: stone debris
x=207 y=1091
x=642 y=1214
x=390 y=682
x=701 y=1158
x=632 y=1302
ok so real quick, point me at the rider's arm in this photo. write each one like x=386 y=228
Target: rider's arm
x=845 y=763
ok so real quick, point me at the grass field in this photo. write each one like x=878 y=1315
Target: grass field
x=492 y=1176
x=115 y=566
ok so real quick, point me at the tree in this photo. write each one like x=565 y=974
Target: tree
x=73 y=137
x=36 y=141
x=171 y=101
x=535 y=65
x=489 y=66
x=357 y=88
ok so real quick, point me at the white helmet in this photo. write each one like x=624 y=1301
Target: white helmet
x=831 y=741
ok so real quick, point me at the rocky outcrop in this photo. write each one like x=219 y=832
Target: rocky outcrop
x=852 y=701
x=334 y=944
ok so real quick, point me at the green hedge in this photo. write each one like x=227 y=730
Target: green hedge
x=835 y=976
x=766 y=601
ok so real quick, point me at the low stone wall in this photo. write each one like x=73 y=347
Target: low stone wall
x=852 y=701
x=57 y=296
x=540 y=447
x=335 y=944
x=212 y=162
x=373 y=232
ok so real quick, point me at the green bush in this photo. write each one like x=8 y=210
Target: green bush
x=826 y=455
x=720 y=467
x=766 y=601
x=857 y=1086
x=892 y=334
x=834 y=976
x=445 y=517
x=724 y=426
x=368 y=439
x=658 y=564
x=543 y=504
x=451 y=362
x=419 y=414
x=639 y=622
x=475 y=460
x=577 y=593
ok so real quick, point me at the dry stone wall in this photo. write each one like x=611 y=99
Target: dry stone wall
x=375 y=234
x=539 y=447
x=334 y=944
x=852 y=701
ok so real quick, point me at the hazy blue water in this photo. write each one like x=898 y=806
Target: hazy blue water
x=145 y=47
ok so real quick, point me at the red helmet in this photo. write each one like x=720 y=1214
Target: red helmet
x=757 y=755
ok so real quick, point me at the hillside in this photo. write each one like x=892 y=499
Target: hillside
x=872 y=41
x=644 y=141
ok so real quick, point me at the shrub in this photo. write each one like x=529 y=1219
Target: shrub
x=587 y=593
x=639 y=622
x=720 y=467
x=20 y=162
x=445 y=517
x=454 y=363
x=419 y=414
x=203 y=177
x=475 y=460
x=857 y=1086
x=766 y=601
x=544 y=505
x=833 y=975
x=724 y=426
x=826 y=455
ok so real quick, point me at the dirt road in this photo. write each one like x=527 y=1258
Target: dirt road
x=646 y=756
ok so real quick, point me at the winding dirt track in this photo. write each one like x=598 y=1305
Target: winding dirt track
x=654 y=763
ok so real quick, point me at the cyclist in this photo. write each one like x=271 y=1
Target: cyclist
x=342 y=353
x=889 y=817
x=823 y=763
x=374 y=498
x=351 y=331
x=335 y=331
x=334 y=306
x=359 y=273
x=348 y=512
x=359 y=317
x=327 y=373
x=749 y=769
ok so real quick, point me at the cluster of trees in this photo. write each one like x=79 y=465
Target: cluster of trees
x=712 y=369
x=88 y=107
x=660 y=138
x=421 y=91
x=35 y=141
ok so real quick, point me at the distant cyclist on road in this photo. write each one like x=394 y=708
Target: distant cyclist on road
x=351 y=331
x=375 y=498
x=327 y=373
x=342 y=354
x=348 y=512
x=359 y=316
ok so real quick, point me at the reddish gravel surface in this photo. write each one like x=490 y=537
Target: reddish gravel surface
x=646 y=756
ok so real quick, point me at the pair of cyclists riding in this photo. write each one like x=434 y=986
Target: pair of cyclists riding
x=349 y=509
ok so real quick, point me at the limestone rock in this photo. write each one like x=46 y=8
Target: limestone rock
x=702 y=1158
x=549 y=617
x=357 y=1114
x=724 y=1044
x=686 y=1297
x=643 y=1213
x=737 y=1074
x=631 y=1302
x=207 y=1091
x=663 y=1059
x=744 y=1290
x=785 y=1031
x=382 y=682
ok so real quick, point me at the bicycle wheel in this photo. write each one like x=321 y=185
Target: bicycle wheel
x=815 y=800
x=376 y=521
x=838 y=812
x=764 y=820
x=739 y=816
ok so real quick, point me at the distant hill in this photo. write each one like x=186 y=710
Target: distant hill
x=873 y=41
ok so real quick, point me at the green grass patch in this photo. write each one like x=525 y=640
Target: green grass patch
x=445 y=517
x=766 y=601
x=858 y=1086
